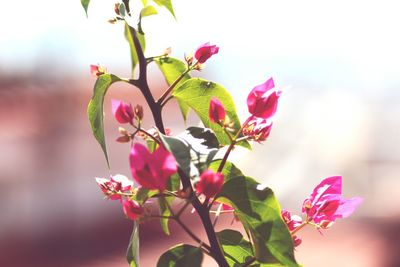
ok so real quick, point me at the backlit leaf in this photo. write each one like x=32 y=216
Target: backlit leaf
x=148 y=11
x=172 y=68
x=197 y=94
x=129 y=33
x=260 y=213
x=95 y=108
x=181 y=256
x=167 y=4
x=85 y=4
x=132 y=254
x=237 y=250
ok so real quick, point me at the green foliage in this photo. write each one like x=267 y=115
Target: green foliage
x=174 y=184
x=237 y=250
x=172 y=69
x=85 y=5
x=181 y=256
x=259 y=212
x=229 y=171
x=122 y=9
x=167 y=4
x=197 y=94
x=148 y=11
x=129 y=34
x=164 y=203
x=95 y=108
x=144 y=194
x=193 y=149
x=132 y=254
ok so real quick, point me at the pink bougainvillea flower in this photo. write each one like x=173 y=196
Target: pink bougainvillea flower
x=152 y=170
x=97 y=70
x=292 y=222
x=117 y=183
x=132 y=209
x=326 y=203
x=258 y=129
x=205 y=51
x=216 y=112
x=123 y=112
x=210 y=183
x=262 y=101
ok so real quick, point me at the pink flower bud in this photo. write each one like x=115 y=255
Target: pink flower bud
x=123 y=112
x=216 y=112
x=257 y=129
x=111 y=187
x=205 y=51
x=139 y=112
x=210 y=183
x=263 y=100
x=97 y=70
x=326 y=203
x=152 y=170
x=132 y=209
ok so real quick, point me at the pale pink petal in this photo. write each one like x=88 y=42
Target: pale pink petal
x=347 y=207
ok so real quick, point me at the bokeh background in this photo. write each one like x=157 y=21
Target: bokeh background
x=336 y=61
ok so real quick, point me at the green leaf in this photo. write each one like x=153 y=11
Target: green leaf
x=260 y=213
x=85 y=4
x=122 y=9
x=193 y=149
x=164 y=202
x=197 y=94
x=172 y=69
x=129 y=33
x=148 y=11
x=174 y=183
x=237 y=250
x=132 y=254
x=144 y=2
x=229 y=171
x=167 y=4
x=182 y=255
x=144 y=194
x=95 y=108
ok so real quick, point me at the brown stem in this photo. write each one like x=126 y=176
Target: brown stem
x=171 y=87
x=141 y=83
x=192 y=235
x=298 y=228
x=248 y=262
x=232 y=145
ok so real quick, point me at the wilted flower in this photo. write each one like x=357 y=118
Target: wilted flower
x=152 y=170
x=326 y=203
x=132 y=209
x=292 y=222
x=210 y=183
x=262 y=101
x=257 y=129
x=216 y=112
x=97 y=70
x=116 y=183
x=205 y=51
x=123 y=112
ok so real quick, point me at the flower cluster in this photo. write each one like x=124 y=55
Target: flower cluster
x=193 y=168
x=322 y=207
x=115 y=188
x=262 y=103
